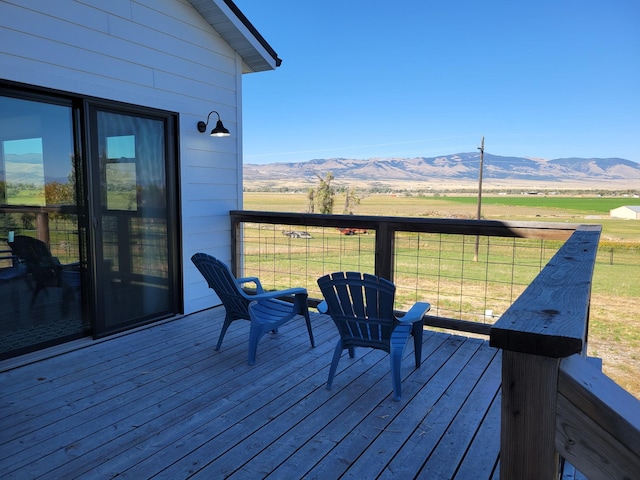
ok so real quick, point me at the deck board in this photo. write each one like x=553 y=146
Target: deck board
x=162 y=403
x=383 y=422
x=481 y=457
x=467 y=417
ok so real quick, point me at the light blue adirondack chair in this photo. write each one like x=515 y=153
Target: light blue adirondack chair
x=264 y=309
x=361 y=306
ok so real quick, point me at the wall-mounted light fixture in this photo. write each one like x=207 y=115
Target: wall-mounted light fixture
x=218 y=131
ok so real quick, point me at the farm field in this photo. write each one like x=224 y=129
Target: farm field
x=614 y=333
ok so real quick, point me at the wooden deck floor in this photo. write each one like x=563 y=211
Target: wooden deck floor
x=162 y=403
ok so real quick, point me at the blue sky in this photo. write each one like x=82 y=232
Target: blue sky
x=410 y=78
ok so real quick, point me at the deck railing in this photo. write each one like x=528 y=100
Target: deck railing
x=428 y=259
x=554 y=402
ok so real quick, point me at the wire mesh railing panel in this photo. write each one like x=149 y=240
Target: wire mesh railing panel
x=283 y=256
x=467 y=270
x=435 y=267
x=443 y=270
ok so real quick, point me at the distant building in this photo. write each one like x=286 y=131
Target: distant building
x=631 y=212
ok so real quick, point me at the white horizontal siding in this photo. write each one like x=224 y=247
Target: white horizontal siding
x=72 y=11
x=115 y=7
x=200 y=225
x=213 y=245
x=196 y=292
x=203 y=161
x=200 y=192
x=222 y=177
x=134 y=53
x=156 y=53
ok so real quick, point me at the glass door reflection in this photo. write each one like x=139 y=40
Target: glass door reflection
x=132 y=238
x=42 y=255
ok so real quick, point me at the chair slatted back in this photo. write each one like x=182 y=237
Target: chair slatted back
x=221 y=280
x=361 y=305
x=35 y=254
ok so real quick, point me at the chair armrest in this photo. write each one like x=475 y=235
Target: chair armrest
x=8 y=255
x=415 y=313
x=280 y=293
x=323 y=307
x=255 y=280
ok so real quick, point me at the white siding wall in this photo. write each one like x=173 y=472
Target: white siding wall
x=155 y=53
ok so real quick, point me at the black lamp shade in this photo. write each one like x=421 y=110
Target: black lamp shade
x=220 y=131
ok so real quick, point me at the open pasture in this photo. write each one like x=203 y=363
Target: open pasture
x=615 y=325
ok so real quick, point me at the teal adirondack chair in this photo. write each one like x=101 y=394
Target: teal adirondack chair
x=264 y=309
x=361 y=306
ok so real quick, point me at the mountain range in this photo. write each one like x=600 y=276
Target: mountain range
x=456 y=168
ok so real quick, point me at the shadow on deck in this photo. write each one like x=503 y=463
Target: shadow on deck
x=161 y=402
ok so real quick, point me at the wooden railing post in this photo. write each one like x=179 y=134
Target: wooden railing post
x=528 y=428
x=42 y=228
x=385 y=238
x=548 y=322
x=236 y=247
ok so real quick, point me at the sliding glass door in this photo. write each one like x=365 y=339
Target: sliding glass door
x=42 y=241
x=88 y=218
x=133 y=218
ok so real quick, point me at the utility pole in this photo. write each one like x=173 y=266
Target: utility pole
x=479 y=212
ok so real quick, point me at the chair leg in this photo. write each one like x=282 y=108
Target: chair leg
x=256 y=332
x=225 y=325
x=39 y=288
x=396 y=373
x=305 y=313
x=301 y=308
x=334 y=363
x=416 y=332
x=398 y=344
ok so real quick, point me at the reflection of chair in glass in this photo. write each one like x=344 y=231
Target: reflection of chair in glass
x=44 y=269
x=10 y=272
x=8 y=263
x=265 y=311
x=361 y=306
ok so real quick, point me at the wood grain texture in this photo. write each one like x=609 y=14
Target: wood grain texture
x=162 y=402
x=528 y=417
x=550 y=318
x=598 y=422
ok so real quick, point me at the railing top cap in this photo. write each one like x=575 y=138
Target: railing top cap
x=550 y=317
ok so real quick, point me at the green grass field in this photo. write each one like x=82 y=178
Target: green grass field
x=583 y=205
x=614 y=333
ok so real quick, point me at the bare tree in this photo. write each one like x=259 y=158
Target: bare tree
x=311 y=200
x=351 y=200
x=325 y=194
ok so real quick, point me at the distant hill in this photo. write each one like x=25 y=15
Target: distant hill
x=25 y=168
x=457 y=168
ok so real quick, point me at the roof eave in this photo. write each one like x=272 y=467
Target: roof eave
x=227 y=19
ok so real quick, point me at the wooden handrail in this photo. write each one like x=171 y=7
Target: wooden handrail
x=494 y=228
x=550 y=318
x=597 y=422
x=551 y=401
x=547 y=323
x=386 y=227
